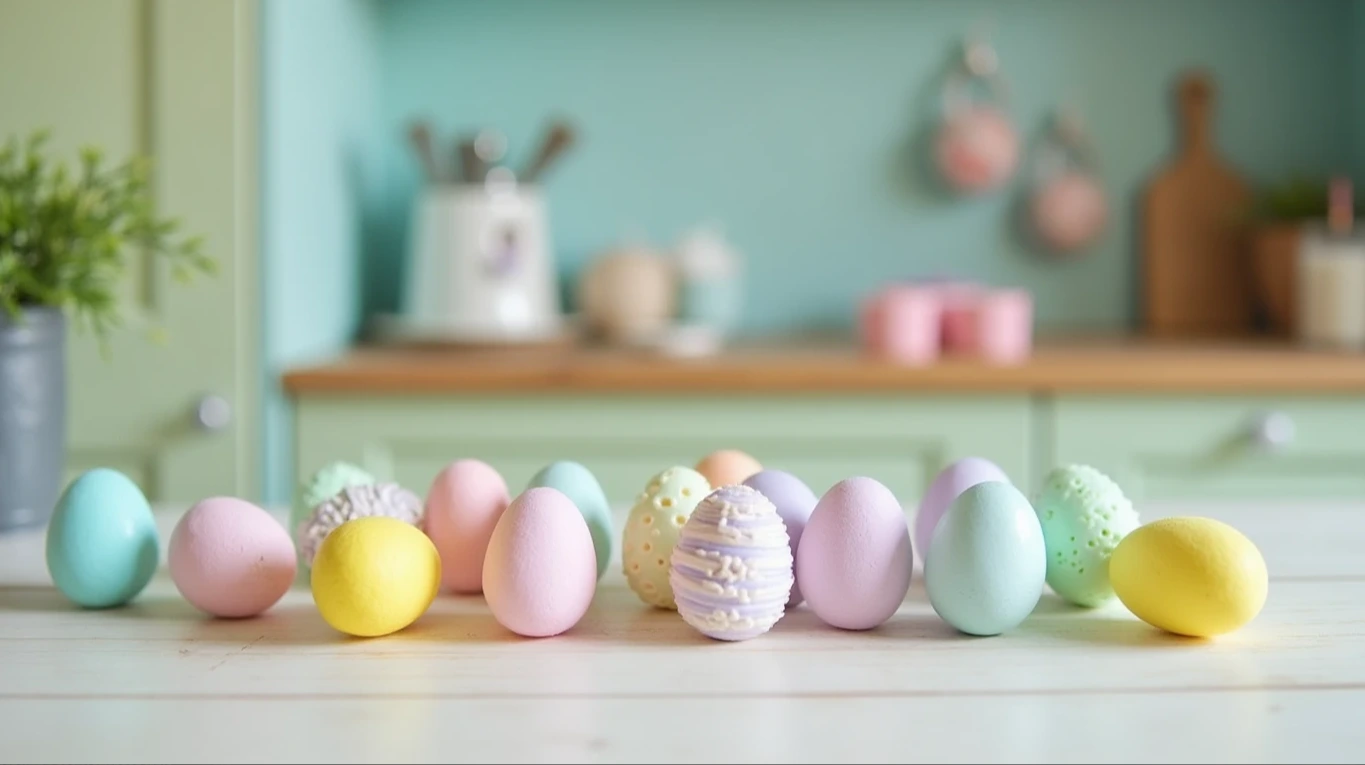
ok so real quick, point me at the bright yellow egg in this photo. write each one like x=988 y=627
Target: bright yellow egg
x=374 y=576
x=1190 y=576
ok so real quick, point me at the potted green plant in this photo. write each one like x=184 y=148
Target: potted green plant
x=66 y=239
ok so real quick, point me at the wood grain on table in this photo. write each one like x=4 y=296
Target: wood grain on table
x=157 y=682
x=1062 y=365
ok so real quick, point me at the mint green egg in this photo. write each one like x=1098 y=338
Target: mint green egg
x=102 y=542
x=1084 y=515
x=579 y=484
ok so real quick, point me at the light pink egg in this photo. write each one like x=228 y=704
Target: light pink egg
x=541 y=571
x=230 y=558
x=854 y=560
x=462 y=507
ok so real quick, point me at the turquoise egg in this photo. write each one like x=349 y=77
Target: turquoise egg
x=987 y=561
x=102 y=542
x=580 y=486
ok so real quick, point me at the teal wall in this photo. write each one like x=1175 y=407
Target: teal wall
x=796 y=124
x=319 y=89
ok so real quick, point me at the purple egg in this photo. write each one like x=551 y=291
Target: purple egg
x=950 y=482
x=794 y=501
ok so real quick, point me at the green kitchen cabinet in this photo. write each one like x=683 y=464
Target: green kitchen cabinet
x=1208 y=447
x=624 y=439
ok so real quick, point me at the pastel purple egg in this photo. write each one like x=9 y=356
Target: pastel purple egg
x=794 y=501
x=854 y=561
x=944 y=490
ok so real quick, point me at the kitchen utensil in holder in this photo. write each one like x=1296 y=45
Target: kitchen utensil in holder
x=481 y=268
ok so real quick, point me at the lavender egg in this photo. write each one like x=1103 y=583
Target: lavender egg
x=794 y=501
x=944 y=490
x=731 y=571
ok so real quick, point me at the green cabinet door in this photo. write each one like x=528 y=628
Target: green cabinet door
x=1224 y=448
x=175 y=81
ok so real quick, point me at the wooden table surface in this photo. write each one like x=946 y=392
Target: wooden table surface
x=1073 y=365
x=156 y=682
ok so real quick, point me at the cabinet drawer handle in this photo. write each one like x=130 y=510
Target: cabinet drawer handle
x=1273 y=431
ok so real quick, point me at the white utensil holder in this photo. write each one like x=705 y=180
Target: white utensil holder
x=480 y=266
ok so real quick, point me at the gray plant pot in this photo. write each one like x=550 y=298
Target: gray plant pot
x=32 y=416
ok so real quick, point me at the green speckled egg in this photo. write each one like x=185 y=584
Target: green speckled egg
x=326 y=483
x=652 y=531
x=1084 y=515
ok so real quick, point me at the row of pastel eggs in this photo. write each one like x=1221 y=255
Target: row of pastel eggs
x=538 y=549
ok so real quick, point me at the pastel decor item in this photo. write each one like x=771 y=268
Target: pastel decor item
x=951 y=481
x=977 y=146
x=1190 y=576
x=727 y=466
x=854 y=561
x=903 y=324
x=374 y=576
x=540 y=572
x=652 y=531
x=1067 y=208
x=102 y=544
x=709 y=280
x=324 y=484
x=1085 y=516
x=986 y=564
x=960 y=302
x=1004 y=326
x=580 y=486
x=794 y=502
x=463 y=506
x=388 y=499
x=732 y=567
x=230 y=558
x=629 y=295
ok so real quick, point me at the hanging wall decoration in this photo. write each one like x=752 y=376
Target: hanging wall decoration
x=977 y=146
x=1067 y=209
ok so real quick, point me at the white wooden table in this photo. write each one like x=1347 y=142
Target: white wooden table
x=156 y=682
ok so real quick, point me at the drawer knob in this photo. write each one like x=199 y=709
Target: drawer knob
x=212 y=412
x=1273 y=431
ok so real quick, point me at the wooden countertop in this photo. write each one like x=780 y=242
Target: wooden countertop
x=1063 y=365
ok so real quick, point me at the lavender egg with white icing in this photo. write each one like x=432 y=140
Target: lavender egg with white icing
x=731 y=571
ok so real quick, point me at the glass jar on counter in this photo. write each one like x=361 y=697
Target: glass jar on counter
x=1331 y=277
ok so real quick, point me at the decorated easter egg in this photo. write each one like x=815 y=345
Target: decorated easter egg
x=580 y=486
x=1190 y=576
x=986 y=564
x=794 y=502
x=324 y=484
x=230 y=558
x=357 y=501
x=375 y=576
x=102 y=542
x=463 y=505
x=540 y=572
x=652 y=531
x=950 y=482
x=731 y=570
x=1069 y=211
x=727 y=466
x=854 y=560
x=1084 y=516
x=977 y=149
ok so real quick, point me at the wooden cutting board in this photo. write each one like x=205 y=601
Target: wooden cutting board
x=1197 y=280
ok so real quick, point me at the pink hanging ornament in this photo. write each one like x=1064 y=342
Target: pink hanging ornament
x=977 y=146
x=1068 y=210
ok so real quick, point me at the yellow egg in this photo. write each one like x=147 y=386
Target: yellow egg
x=374 y=576
x=1191 y=576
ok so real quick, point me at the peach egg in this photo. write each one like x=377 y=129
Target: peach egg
x=727 y=467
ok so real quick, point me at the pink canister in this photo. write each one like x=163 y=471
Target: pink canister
x=1003 y=326
x=902 y=324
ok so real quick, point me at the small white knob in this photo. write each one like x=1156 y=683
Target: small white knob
x=213 y=412
x=1273 y=430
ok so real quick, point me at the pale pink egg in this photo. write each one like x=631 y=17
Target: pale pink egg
x=231 y=558
x=978 y=149
x=541 y=570
x=462 y=508
x=1069 y=211
x=854 y=560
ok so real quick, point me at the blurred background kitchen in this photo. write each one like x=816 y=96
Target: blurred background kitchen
x=864 y=236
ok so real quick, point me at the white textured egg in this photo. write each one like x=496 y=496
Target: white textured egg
x=652 y=531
